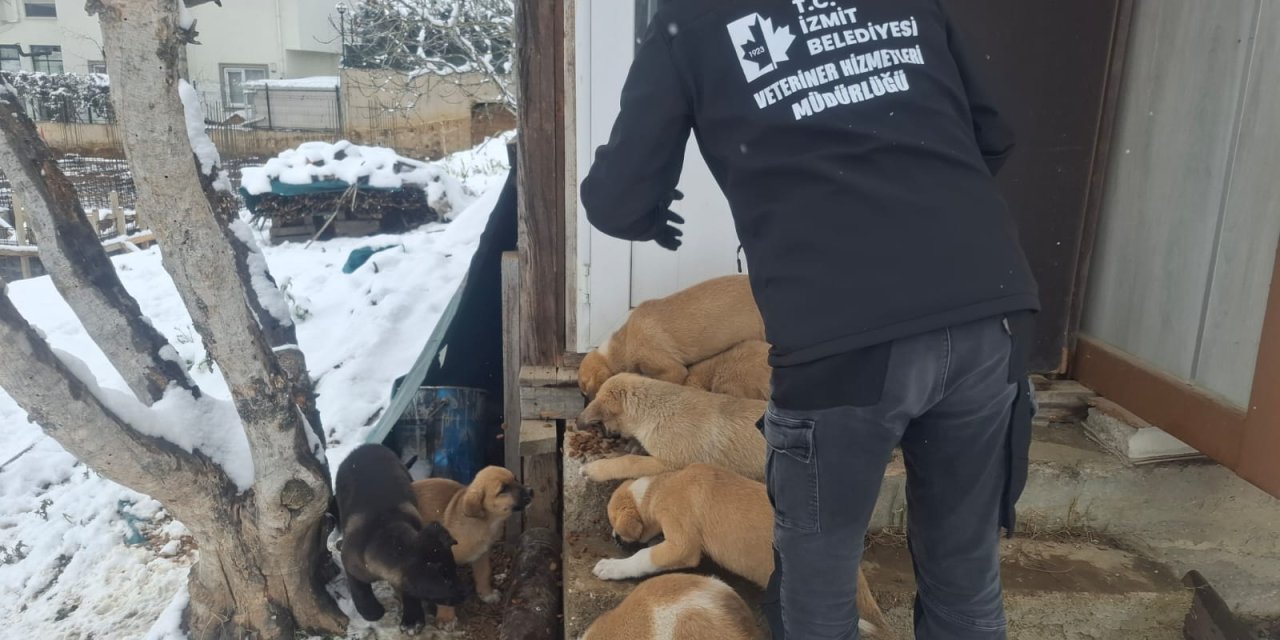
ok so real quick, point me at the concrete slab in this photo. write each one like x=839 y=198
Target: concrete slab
x=1056 y=591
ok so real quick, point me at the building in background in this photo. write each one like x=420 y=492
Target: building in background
x=243 y=41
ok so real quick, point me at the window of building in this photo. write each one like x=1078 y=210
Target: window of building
x=233 y=79
x=97 y=66
x=46 y=58
x=10 y=58
x=41 y=8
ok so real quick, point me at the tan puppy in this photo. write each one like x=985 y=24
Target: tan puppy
x=662 y=337
x=742 y=371
x=704 y=510
x=679 y=606
x=677 y=426
x=474 y=516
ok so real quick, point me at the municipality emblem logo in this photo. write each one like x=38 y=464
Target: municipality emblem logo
x=760 y=47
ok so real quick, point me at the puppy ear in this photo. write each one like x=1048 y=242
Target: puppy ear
x=473 y=502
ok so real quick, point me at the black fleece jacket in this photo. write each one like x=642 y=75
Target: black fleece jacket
x=856 y=149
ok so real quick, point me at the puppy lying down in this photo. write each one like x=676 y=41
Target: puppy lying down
x=742 y=371
x=662 y=337
x=704 y=510
x=677 y=606
x=677 y=426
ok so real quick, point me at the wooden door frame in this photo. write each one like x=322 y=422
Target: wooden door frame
x=1245 y=440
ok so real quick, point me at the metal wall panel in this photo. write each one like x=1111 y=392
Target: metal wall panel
x=1246 y=248
x=1167 y=182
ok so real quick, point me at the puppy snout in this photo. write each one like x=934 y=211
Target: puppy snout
x=629 y=547
x=526 y=496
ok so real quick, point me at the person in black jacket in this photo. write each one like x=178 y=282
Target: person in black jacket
x=856 y=148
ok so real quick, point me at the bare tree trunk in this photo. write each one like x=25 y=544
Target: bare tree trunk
x=77 y=263
x=262 y=576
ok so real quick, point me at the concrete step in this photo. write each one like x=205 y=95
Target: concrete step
x=1055 y=590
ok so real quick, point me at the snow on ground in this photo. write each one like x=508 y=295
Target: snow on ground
x=82 y=557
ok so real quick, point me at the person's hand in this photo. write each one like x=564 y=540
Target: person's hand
x=668 y=235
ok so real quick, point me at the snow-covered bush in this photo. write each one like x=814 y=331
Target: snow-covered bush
x=63 y=97
x=437 y=37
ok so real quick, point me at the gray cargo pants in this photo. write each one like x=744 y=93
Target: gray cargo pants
x=946 y=399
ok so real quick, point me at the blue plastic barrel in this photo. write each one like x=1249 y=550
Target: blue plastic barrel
x=450 y=427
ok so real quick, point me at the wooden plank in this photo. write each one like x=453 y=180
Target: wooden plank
x=544 y=376
x=511 y=371
x=538 y=437
x=353 y=228
x=551 y=403
x=1259 y=462
x=1167 y=179
x=542 y=474
x=1205 y=421
x=549 y=393
x=1250 y=230
x=539 y=28
x=117 y=214
x=20 y=233
x=569 y=131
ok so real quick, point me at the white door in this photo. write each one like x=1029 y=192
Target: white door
x=614 y=276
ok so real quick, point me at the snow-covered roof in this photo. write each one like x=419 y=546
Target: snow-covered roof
x=314 y=82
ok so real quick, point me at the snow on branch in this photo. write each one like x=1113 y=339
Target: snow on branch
x=201 y=144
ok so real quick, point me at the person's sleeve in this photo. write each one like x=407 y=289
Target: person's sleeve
x=638 y=168
x=995 y=136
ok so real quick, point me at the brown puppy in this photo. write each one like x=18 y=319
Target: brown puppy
x=678 y=426
x=679 y=606
x=742 y=371
x=474 y=516
x=704 y=510
x=662 y=337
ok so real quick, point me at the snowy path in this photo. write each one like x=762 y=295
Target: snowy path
x=66 y=570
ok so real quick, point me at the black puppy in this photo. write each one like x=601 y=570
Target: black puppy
x=383 y=538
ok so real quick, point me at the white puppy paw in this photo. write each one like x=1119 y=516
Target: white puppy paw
x=612 y=570
x=492 y=597
x=634 y=567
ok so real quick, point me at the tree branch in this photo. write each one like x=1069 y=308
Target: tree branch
x=77 y=263
x=66 y=409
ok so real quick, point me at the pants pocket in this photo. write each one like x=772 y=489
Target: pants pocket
x=791 y=471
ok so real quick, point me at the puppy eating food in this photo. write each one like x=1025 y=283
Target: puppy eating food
x=742 y=371
x=703 y=510
x=679 y=606
x=383 y=538
x=662 y=337
x=474 y=515
x=677 y=426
